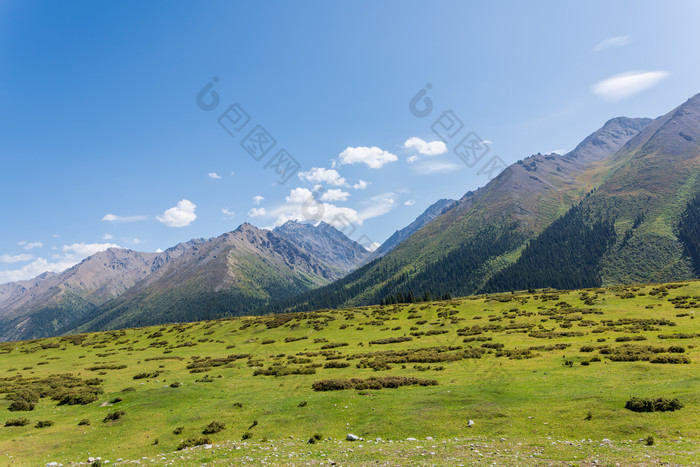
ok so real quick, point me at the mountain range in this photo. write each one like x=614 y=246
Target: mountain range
x=620 y=208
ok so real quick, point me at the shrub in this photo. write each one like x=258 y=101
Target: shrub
x=116 y=400
x=302 y=404
x=175 y=385
x=650 y=440
x=21 y=406
x=17 y=422
x=392 y=340
x=247 y=435
x=178 y=430
x=84 y=421
x=334 y=364
x=114 y=416
x=191 y=442
x=213 y=427
x=77 y=398
x=589 y=416
x=370 y=383
x=587 y=348
x=661 y=404
x=43 y=423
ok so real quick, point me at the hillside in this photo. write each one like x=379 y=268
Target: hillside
x=202 y=279
x=459 y=251
x=543 y=377
x=49 y=303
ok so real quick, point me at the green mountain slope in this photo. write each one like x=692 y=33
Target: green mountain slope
x=459 y=251
x=648 y=196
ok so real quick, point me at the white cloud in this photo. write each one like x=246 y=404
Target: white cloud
x=181 y=215
x=431 y=167
x=233 y=173
x=133 y=240
x=335 y=194
x=214 y=176
x=31 y=245
x=425 y=148
x=83 y=250
x=628 y=84
x=321 y=175
x=303 y=205
x=373 y=246
x=361 y=185
x=373 y=157
x=412 y=159
x=16 y=258
x=617 y=41
x=107 y=237
x=258 y=199
x=378 y=206
x=227 y=212
x=257 y=212
x=159 y=250
x=115 y=218
x=72 y=255
x=410 y=202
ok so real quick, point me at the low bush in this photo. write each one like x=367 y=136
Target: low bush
x=21 y=406
x=114 y=416
x=213 y=427
x=43 y=423
x=178 y=430
x=370 y=383
x=192 y=442
x=17 y=422
x=661 y=404
x=84 y=421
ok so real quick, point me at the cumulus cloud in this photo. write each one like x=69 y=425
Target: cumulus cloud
x=181 y=215
x=335 y=194
x=214 y=176
x=425 y=148
x=257 y=212
x=321 y=175
x=30 y=245
x=258 y=199
x=410 y=202
x=412 y=159
x=628 y=84
x=16 y=258
x=107 y=237
x=617 y=41
x=115 y=218
x=360 y=185
x=227 y=212
x=432 y=167
x=374 y=157
x=303 y=205
x=72 y=255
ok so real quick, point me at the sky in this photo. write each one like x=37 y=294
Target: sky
x=143 y=124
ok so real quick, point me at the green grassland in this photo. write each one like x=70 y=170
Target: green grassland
x=544 y=376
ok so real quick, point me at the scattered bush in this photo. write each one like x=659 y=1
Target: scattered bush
x=650 y=440
x=661 y=404
x=17 y=422
x=175 y=384
x=370 y=383
x=21 y=406
x=213 y=427
x=43 y=423
x=178 y=430
x=114 y=416
x=302 y=404
x=84 y=421
x=391 y=340
x=192 y=442
x=247 y=435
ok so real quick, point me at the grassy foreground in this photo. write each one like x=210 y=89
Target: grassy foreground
x=544 y=377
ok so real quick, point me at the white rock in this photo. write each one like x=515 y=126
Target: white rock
x=471 y=423
x=91 y=459
x=411 y=439
x=352 y=437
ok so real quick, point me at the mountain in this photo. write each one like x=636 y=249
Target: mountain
x=433 y=211
x=325 y=243
x=459 y=251
x=226 y=275
x=46 y=304
x=637 y=227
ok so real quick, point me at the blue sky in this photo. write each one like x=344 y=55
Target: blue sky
x=103 y=143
